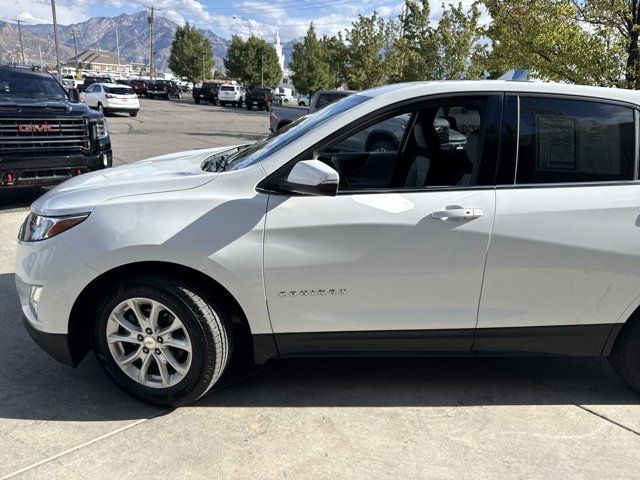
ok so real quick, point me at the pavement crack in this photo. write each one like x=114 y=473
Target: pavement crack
x=82 y=445
x=610 y=420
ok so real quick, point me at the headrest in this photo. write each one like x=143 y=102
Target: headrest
x=418 y=134
x=473 y=143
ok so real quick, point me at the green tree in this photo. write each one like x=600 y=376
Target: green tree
x=414 y=53
x=336 y=56
x=586 y=41
x=460 y=48
x=191 y=54
x=311 y=71
x=254 y=62
x=366 y=42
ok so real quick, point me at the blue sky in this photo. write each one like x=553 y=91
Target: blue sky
x=225 y=17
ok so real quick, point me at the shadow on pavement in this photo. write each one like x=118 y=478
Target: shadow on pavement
x=19 y=197
x=33 y=386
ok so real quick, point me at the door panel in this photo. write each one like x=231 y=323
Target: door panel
x=562 y=256
x=375 y=261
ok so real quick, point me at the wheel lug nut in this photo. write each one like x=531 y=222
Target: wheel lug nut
x=148 y=330
x=145 y=350
x=160 y=340
x=140 y=337
x=157 y=351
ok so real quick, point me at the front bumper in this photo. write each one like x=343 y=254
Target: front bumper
x=55 y=344
x=50 y=170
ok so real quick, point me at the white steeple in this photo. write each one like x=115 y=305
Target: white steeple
x=278 y=48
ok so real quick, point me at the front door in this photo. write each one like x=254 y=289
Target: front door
x=395 y=261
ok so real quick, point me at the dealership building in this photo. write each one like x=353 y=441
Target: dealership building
x=100 y=61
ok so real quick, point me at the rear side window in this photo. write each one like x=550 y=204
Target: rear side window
x=563 y=141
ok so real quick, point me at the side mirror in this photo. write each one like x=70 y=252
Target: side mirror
x=311 y=177
x=75 y=96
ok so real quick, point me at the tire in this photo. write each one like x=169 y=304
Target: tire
x=203 y=327
x=151 y=97
x=197 y=101
x=100 y=108
x=223 y=104
x=179 y=95
x=249 y=107
x=133 y=114
x=625 y=354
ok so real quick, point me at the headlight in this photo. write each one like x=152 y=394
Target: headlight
x=101 y=129
x=38 y=227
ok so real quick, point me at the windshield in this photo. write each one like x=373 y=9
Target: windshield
x=14 y=83
x=228 y=89
x=118 y=90
x=279 y=139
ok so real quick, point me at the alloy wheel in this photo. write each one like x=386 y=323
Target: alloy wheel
x=149 y=342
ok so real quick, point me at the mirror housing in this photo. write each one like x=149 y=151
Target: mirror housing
x=311 y=177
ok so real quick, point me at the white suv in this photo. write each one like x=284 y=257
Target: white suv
x=420 y=219
x=111 y=98
x=231 y=94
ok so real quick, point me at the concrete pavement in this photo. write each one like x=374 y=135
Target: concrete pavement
x=328 y=418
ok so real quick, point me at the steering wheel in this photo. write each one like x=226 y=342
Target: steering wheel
x=381 y=141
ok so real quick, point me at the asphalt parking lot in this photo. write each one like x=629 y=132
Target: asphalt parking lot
x=328 y=418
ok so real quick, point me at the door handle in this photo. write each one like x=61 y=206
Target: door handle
x=458 y=213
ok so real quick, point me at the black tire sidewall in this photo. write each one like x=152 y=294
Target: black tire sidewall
x=189 y=388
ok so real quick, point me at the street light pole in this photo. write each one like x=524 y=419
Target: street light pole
x=55 y=35
x=262 y=69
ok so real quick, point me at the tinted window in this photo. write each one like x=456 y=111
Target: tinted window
x=25 y=84
x=574 y=141
x=228 y=89
x=118 y=90
x=430 y=145
x=326 y=98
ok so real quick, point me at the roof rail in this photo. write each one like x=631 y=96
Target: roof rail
x=516 y=75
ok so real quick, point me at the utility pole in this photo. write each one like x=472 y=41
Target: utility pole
x=151 y=52
x=20 y=35
x=75 y=34
x=55 y=34
x=262 y=68
x=40 y=55
x=117 y=45
x=203 y=53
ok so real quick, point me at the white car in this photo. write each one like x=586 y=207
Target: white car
x=358 y=230
x=231 y=94
x=111 y=98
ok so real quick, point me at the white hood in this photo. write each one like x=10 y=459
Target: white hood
x=177 y=171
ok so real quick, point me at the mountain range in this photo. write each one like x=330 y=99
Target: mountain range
x=99 y=33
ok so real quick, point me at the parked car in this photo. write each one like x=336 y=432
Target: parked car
x=317 y=242
x=206 y=92
x=303 y=101
x=111 y=98
x=282 y=116
x=139 y=87
x=163 y=88
x=260 y=98
x=93 y=79
x=231 y=94
x=46 y=134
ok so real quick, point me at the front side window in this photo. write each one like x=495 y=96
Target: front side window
x=433 y=144
x=563 y=141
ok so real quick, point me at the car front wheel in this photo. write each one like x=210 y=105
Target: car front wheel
x=160 y=340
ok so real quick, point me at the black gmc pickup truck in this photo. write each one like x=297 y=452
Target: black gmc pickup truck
x=46 y=134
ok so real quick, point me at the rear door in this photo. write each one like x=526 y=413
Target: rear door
x=564 y=260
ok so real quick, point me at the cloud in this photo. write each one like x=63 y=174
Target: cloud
x=39 y=11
